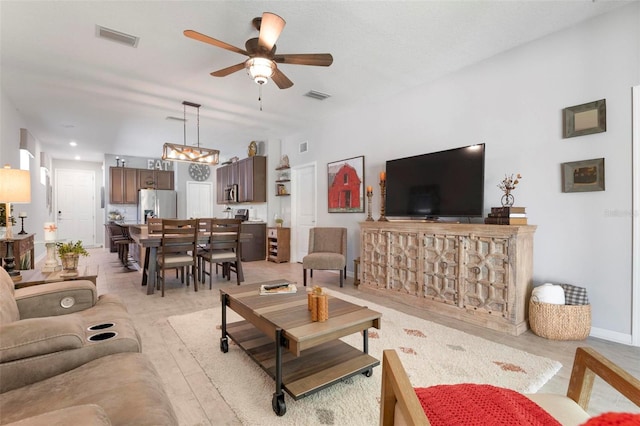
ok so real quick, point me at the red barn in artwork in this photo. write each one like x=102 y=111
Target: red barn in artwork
x=344 y=187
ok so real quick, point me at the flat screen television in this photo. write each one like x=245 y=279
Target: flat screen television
x=440 y=184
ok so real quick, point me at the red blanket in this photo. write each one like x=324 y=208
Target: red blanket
x=481 y=405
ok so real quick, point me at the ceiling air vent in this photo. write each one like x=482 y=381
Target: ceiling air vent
x=304 y=147
x=117 y=36
x=317 y=95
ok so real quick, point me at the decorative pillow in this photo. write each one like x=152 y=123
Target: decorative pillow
x=574 y=295
x=480 y=405
x=618 y=419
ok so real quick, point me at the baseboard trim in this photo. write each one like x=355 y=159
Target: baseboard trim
x=612 y=336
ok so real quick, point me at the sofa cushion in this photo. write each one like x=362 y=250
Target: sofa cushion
x=88 y=415
x=8 y=308
x=323 y=261
x=126 y=386
x=39 y=336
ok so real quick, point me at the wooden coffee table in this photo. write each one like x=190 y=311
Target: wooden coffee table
x=36 y=276
x=309 y=356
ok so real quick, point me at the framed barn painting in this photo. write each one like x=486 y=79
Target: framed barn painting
x=346 y=185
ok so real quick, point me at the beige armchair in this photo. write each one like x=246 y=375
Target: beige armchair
x=327 y=250
x=399 y=404
x=52 y=328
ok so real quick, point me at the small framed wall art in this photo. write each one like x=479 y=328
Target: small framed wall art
x=583 y=176
x=585 y=119
x=346 y=185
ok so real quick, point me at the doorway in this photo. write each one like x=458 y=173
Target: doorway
x=199 y=199
x=303 y=206
x=75 y=205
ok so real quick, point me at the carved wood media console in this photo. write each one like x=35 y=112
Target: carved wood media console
x=477 y=273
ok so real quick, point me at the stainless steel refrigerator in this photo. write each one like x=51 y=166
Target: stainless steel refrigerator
x=156 y=203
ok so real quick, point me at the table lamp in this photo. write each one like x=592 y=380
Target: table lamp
x=15 y=187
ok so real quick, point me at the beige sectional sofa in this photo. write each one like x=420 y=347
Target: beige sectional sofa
x=68 y=356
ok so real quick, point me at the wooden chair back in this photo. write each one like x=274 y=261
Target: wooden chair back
x=225 y=234
x=154 y=225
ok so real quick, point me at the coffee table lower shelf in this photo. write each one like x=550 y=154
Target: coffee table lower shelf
x=315 y=369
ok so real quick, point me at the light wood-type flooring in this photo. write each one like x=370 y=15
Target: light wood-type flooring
x=197 y=402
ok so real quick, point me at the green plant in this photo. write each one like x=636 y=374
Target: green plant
x=280 y=221
x=71 y=248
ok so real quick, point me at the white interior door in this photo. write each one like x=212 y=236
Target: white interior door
x=303 y=206
x=75 y=205
x=199 y=199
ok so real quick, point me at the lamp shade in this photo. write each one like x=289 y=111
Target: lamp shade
x=15 y=185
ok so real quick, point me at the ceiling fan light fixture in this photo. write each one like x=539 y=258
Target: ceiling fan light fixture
x=260 y=69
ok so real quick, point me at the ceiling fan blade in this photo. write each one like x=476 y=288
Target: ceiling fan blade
x=281 y=80
x=210 y=40
x=270 y=28
x=316 y=59
x=229 y=70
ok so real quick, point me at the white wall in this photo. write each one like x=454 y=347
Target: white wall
x=11 y=121
x=513 y=103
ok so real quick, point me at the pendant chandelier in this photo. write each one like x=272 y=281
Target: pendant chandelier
x=189 y=153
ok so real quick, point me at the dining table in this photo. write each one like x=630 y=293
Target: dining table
x=150 y=242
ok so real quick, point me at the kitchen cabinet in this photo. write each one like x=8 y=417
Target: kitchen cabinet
x=256 y=249
x=123 y=187
x=278 y=244
x=252 y=179
x=225 y=175
x=481 y=274
x=250 y=174
x=155 y=179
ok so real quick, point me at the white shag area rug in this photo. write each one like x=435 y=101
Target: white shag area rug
x=431 y=353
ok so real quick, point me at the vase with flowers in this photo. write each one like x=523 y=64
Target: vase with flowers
x=508 y=185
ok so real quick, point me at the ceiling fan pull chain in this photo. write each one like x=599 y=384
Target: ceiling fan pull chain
x=260 y=95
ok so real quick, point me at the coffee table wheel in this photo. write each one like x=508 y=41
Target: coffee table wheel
x=368 y=373
x=278 y=405
x=224 y=345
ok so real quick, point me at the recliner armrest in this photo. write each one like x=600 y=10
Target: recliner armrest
x=57 y=298
x=88 y=415
x=39 y=336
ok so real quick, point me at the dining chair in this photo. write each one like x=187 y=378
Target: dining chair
x=178 y=249
x=327 y=250
x=224 y=249
x=204 y=227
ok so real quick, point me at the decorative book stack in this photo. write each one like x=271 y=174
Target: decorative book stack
x=507 y=216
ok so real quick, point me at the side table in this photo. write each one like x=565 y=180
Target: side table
x=32 y=277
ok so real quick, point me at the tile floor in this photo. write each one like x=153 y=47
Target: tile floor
x=197 y=402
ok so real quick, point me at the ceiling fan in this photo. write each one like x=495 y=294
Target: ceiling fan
x=261 y=51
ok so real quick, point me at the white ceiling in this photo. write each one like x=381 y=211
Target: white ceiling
x=110 y=98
